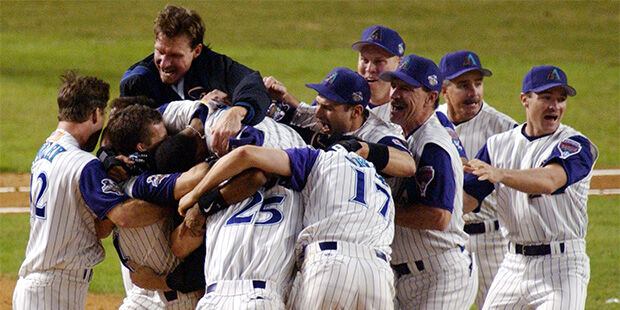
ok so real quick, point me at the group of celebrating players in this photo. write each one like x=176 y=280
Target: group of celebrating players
x=224 y=191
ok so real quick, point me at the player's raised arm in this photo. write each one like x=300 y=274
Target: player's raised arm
x=249 y=156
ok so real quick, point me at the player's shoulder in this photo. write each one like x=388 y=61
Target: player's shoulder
x=376 y=124
x=141 y=69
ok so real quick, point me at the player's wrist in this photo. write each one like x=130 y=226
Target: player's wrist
x=212 y=202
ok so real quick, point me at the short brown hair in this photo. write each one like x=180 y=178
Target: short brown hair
x=123 y=102
x=130 y=126
x=78 y=97
x=173 y=21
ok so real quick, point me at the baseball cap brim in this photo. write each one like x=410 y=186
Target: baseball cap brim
x=570 y=91
x=357 y=46
x=485 y=72
x=327 y=93
x=390 y=76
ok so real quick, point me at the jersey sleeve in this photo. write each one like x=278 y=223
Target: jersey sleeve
x=248 y=135
x=394 y=142
x=475 y=188
x=155 y=188
x=250 y=93
x=301 y=162
x=575 y=156
x=447 y=124
x=433 y=183
x=100 y=192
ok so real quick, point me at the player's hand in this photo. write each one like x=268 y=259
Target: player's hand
x=228 y=126
x=484 y=171
x=194 y=222
x=217 y=96
x=147 y=278
x=186 y=202
x=278 y=91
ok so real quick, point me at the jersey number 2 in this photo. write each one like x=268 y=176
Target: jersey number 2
x=37 y=189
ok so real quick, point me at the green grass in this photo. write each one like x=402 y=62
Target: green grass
x=300 y=41
x=602 y=247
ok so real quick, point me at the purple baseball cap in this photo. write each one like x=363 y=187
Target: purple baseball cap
x=541 y=78
x=342 y=85
x=416 y=71
x=457 y=63
x=382 y=37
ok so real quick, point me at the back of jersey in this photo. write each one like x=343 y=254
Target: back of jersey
x=346 y=200
x=62 y=227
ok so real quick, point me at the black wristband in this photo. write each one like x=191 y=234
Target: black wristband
x=379 y=155
x=212 y=202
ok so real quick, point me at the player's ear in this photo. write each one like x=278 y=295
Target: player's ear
x=524 y=101
x=197 y=50
x=94 y=117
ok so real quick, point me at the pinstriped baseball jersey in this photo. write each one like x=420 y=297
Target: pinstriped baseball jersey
x=178 y=114
x=66 y=182
x=536 y=219
x=415 y=244
x=345 y=199
x=474 y=134
x=384 y=112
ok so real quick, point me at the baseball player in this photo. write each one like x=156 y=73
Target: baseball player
x=181 y=67
x=250 y=246
x=348 y=223
x=67 y=184
x=540 y=172
x=434 y=269
x=475 y=121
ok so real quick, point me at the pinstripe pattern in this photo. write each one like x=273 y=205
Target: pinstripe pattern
x=241 y=294
x=344 y=278
x=412 y=245
x=448 y=281
x=64 y=239
x=555 y=281
x=177 y=114
x=491 y=246
x=384 y=112
x=141 y=299
x=252 y=251
x=544 y=220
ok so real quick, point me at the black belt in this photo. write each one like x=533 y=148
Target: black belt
x=171 y=295
x=536 y=250
x=403 y=269
x=255 y=284
x=333 y=245
x=478 y=228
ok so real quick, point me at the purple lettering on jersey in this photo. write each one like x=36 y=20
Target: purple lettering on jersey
x=155 y=188
x=301 y=162
x=575 y=156
x=99 y=192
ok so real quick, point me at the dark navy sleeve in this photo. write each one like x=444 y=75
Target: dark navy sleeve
x=301 y=162
x=433 y=184
x=575 y=156
x=201 y=112
x=162 y=108
x=475 y=188
x=155 y=188
x=252 y=94
x=394 y=142
x=447 y=124
x=100 y=193
x=247 y=136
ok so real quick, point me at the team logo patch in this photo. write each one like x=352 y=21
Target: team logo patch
x=455 y=138
x=156 y=179
x=568 y=147
x=375 y=35
x=110 y=187
x=423 y=178
x=404 y=65
x=469 y=61
x=553 y=75
x=432 y=79
x=357 y=96
x=331 y=78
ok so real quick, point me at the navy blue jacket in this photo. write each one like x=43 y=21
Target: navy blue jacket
x=208 y=71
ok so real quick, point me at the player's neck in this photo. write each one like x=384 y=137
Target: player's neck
x=380 y=100
x=80 y=131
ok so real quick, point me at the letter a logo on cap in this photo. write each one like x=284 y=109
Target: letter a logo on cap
x=554 y=75
x=469 y=61
x=375 y=35
x=405 y=64
x=330 y=79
